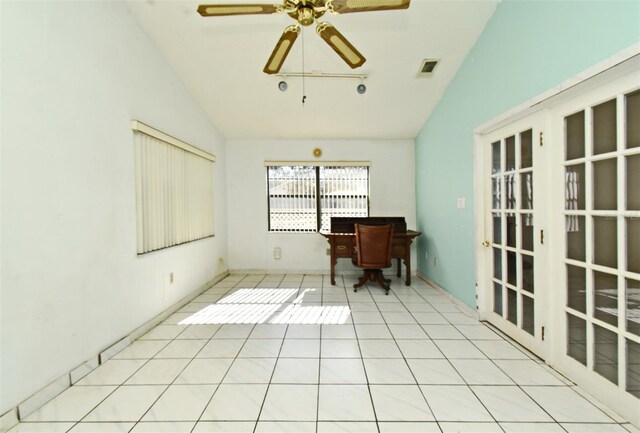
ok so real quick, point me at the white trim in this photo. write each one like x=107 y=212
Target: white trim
x=43 y=396
x=313 y=272
x=114 y=349
x=9 y=420
x=147 y=326
x=318 y=163
x=479 y=226
x=83 y=369
x=320 y=272
x=136 y=125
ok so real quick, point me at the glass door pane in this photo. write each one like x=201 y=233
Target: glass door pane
x=632 y=105
x=604 y=127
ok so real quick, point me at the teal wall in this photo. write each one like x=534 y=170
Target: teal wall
x=526 y=48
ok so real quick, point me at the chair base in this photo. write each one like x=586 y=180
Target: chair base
x=375 y=276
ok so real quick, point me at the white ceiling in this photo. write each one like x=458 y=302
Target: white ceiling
x=220 y=60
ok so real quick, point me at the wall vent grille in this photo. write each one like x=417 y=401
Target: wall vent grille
x=427 y=67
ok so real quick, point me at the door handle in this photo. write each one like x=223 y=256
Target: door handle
x=486 y=244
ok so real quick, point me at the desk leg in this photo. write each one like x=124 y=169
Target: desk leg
x=399 y=274
x=407 y=264
x=333 y=270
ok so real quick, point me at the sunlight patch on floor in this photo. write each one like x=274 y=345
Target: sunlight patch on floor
x=258 y=305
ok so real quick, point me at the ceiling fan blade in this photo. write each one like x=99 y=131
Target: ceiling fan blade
x=282 y=49
x=340 y=45
x=237 y=9
x=348 y=6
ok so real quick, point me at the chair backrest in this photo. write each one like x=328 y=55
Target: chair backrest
x=373 y=244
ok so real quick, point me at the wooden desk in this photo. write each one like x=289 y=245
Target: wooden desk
x=342 y=247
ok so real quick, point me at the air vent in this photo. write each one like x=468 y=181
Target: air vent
x=427 y=67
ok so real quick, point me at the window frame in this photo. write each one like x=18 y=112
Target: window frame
x=317 y=166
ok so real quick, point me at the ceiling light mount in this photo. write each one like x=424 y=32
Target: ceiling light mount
x=282 y=85
x=318 y=74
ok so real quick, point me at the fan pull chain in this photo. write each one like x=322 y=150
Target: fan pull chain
x=303 y=91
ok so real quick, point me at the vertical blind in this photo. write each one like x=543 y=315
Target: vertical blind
x=292 y=199
x=344 y=192
x=174 y=192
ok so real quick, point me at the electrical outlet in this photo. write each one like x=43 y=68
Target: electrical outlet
x=426 y=256
x=170 y=277
x=277 y=253
x=435 y=261
x=328 y=251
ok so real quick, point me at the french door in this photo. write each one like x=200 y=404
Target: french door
x=597 y=259
x=558 y=233
x=513 y=237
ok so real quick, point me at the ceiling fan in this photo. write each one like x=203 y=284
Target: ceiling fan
x=306 y=12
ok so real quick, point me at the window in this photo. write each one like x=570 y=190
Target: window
x=174 y=190
x=303 y=198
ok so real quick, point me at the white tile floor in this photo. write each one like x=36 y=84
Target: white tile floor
x=291 y=353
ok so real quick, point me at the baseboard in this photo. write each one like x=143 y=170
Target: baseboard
x=110 y=351
x=41 y=397
x=9 y=420
x=278 y=271
x=391 y=271
x=146 y=327
x=458 y=303
x=83 y=369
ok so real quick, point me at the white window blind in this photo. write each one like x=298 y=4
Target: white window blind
x=303 y=198
x=292 y=199
x=174 y=190
x=344 y=192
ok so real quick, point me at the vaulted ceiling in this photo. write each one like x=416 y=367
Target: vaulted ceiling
x=220 y=60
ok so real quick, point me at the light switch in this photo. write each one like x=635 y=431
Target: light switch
x=462 y=202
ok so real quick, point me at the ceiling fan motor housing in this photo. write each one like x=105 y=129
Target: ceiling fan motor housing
x=306 y=13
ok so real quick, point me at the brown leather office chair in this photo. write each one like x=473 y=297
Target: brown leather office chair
x=373 y=253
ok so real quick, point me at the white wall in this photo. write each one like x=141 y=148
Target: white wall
x=74 y=74
x=392 y=190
